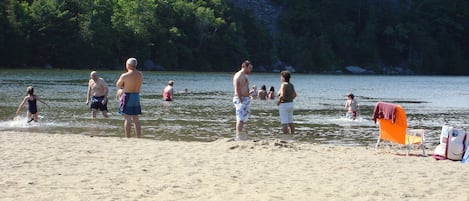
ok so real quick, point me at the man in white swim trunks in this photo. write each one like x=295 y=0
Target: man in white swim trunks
x=241 y=98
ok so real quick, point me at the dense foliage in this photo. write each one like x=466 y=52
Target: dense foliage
x=176 y=34
x=424 y=36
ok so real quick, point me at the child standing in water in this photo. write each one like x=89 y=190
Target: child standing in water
x=351 y=106
x=253 y=92
x=32 y=99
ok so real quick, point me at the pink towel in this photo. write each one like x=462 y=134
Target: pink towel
x=384 y=110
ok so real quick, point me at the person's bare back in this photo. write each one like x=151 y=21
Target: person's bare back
x=129 y=84
x=131 y=81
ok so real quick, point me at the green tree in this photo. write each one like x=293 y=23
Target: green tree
x=97 y=33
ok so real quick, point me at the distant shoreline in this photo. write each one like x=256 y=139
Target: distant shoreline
x=254 y=71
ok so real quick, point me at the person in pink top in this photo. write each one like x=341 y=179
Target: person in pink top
x=168 y=91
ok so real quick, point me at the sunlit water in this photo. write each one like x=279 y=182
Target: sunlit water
x=207 y=114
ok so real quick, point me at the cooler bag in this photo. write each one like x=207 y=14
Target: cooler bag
x=452 y=144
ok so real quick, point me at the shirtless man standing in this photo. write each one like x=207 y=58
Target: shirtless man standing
x=97 y=91
x=241 y=99
x=130 y=83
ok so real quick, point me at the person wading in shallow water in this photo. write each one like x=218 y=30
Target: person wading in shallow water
x=31 y=99
x=351 y=107
x=97 y=92
x=285 y=103
x=168 y=91
x=241 y=98
x=130 y=83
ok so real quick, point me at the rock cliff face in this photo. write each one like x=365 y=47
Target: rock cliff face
x=264 y=11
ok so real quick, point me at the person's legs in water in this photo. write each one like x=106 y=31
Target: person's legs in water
x=30 y=116
x=104 y=113
x=286 y=117
x=36 y=117
x=242 y=115
x=138 y=129
x=288 y=128
x=241 y=134
x=127 y=125
x=103 y=107
x=239 y=126
x=285 y=128
x=292 y=128
x=93 y=113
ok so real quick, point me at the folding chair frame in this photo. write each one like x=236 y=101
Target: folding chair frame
x=410 y=140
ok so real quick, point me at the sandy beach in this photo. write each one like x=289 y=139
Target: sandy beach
x=37 y=166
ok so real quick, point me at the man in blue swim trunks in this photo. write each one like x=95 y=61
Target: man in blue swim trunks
x=131 y=83
x=97 y=92
x=241 y=99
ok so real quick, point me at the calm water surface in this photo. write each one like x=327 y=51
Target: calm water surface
x=207 y=114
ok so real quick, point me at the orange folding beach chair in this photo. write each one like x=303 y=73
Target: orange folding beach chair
x=394 y=129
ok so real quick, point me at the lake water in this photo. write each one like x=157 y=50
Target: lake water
x=207 y=114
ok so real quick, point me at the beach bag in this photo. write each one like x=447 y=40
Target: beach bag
x=452 y=144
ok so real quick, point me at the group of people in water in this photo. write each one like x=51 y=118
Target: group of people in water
x=128 y=96
x=242 y=100
x=262 y=94
x=286 y=95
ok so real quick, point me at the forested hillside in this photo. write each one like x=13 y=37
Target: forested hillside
x=425 y=36
x=421 y=36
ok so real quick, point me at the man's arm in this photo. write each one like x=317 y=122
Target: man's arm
x=294 y=93
x=238 y=89
x=281 y=93
x=120 y=82
x=88 y=93
x=106 y=90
